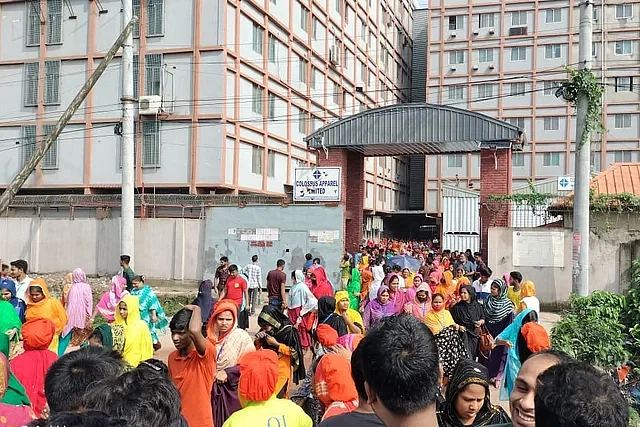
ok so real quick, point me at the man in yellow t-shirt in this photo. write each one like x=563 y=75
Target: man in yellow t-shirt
x=257 y=388
x=514 y=289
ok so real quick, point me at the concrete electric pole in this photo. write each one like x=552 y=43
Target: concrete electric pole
x=31 y=164
x=128 y=141
x=580 y=283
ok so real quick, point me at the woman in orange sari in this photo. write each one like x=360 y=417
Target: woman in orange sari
x=447 y=288
x=41 y=305
x=366 y=277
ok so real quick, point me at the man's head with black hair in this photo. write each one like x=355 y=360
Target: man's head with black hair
x=80 y=419
x=578 y=395
x=401 y=354
x=142 y=398
x=71 y=376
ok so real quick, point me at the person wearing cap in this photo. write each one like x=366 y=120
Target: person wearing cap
x=257 y=388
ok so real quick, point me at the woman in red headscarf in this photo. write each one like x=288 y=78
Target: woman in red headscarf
x=30 y=368
x=320 y=285
x=231 y=343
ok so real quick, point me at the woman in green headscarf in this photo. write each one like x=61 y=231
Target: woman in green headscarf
x=354 y=288
x=9 y=321
x=15 y=394
x=108 y=336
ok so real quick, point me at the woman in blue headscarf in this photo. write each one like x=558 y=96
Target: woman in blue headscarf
x=518 y=351
x=8 y=293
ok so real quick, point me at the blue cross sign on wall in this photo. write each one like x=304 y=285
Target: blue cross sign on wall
x=564 y=182
x=317 y=174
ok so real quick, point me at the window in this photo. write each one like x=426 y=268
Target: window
x=256 y=98
x=455 y=23
x=454 y=160
x=381 y=194
x=52 y=83
x=622 y=156
x=339 y=7
x=273 y=1
x=518 y=160
x=31 y=72
x=33 y=23
x=553 y=15
x=312 y=80
x=552 y=51
x=519 y=53
x=54 y=22
x=336 y=93
x=486 y=20
x=624 y=11
x=155 y=17
x=518 y=18
x=594 y=13
x=136 y=12
x=595 y=160
x=551 y=159
x=517 y=121
x=517 y=89
x=28 y=143
x=153 y=74
x=622 y=121
x=314 y=28
x=136 y=75
x=624 y=84
x=485 y=90
x=485 y=55
x=256 y=160
x=302 y=121
x=272 y=49
x=550 y=88
x=362 y=29
x=551 y=123
x=50 y=159
x=271 y=109
x=271 y=163
x=257 y=38
x=623 y=47
x=456 y=92
x=594 y=49
x=456 y=57
x=302 y=70
x=150 y=143
x=304 y=19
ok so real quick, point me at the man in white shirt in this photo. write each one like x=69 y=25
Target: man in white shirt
x=18 y=273
x=378 y=276
x=482 y=286
x=254 y=283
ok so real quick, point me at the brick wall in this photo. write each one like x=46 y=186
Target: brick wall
x=351 y=192
x=495 y=179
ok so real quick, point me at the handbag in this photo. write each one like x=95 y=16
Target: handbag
x=486 y=342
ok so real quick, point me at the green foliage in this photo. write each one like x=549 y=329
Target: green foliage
x=585 y=82
x=591 y=331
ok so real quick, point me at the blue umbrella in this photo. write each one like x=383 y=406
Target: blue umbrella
x=405 y=261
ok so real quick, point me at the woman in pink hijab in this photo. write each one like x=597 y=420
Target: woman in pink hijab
x=109 y=301
x=79 y=304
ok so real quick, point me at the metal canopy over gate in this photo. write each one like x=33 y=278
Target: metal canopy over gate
x=416 y=128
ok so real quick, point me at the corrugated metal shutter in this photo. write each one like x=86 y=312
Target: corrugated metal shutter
x=419 y=64
x=416 y=182
x=456 y=242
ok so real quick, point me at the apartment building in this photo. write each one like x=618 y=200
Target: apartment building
x=504 y=59
x=226 y=90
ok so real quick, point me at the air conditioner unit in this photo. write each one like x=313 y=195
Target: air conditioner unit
x=334 y=55
x=492 y=31
x=475 y=67
x=476 y=32
x=454 y=68
x=150 y=105
x=452 y=34
x=491 y=66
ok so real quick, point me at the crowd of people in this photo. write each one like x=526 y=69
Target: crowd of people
x=419 y=344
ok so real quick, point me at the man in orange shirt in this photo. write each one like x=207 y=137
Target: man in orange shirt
x=192 y=366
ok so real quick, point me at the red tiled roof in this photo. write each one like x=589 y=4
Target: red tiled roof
x=618 y=179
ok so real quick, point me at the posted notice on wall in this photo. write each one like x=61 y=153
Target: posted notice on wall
x=317 y=185
x=324 y=236
x=538 y=248
x=255 y=234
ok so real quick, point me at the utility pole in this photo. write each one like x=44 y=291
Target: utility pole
x=580 y=282
x=127 y=142
x=28 y=168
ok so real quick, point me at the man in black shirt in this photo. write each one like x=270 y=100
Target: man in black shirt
x=222 y=273
x=364 y=415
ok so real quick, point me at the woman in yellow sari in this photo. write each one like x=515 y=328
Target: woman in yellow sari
x=138 y=346
x=352 y=318
x=41 y=305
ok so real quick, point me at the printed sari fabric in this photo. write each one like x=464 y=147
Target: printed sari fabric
x=149 y=301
